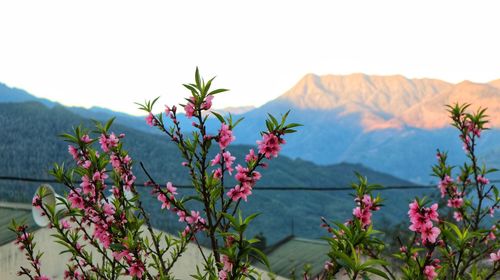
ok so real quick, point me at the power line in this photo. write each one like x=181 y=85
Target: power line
x=263 y=188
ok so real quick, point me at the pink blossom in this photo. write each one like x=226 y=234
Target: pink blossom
x=65 y=224
x=239 y=192
x=414 y=209
x=189 y=108
x=455 y=202
x=87 y=164
x=207 y=104
x=444 y=184
x=491 y=235
x=36 y=201
x=76 y=200
x=167 y=110
x=117 y=255
x=251 y=156
x=363 y=215
x=430 y=272
x=42 y=277
x=492 y=211
x=495 y=257
x=218 y=173
x=222 y=275
x=171 y=189
x=432 y=212
x=108 y=142
x=165 y=203
x=73 y=151
x=328 y=266
x=270 y=145
x=136 y=269
x=186 y=230
x=182 y=215
x=430 y=233
x=403 y=249
x=457 y=216
x=225 y=136
x=113 y=140
x=247 y=180
x=150 y=119
x=87 y=186
x=228 y=161
x=193 y=219
x=86 y=139
x=216 y=160
x=228 y=265
x=108 y=209
x=367 y=201
x=100 y=176
x=482 y=180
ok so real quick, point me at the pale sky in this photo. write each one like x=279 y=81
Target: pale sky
x=114 y=53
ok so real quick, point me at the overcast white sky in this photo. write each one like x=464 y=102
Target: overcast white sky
x=114 y=53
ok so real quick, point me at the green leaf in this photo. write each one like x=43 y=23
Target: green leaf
x=219 y=117
x=250 y=218
x=261 y=257
x=273 y=119
x=214 y=92
x=377 y=272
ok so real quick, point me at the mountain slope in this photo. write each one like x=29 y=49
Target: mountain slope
x=389 y=123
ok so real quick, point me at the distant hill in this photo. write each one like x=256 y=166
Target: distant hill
x=11 y=94
x=391 y=124
x=29 y=146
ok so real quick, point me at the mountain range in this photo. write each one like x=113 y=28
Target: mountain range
x=391 y=124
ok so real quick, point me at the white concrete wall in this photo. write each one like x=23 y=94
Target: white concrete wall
x=53 y=264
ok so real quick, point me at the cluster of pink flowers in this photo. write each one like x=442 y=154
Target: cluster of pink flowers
x=270 y=145
x=421 y=221
x=109 y=141
x=492 y=233
x=430 y=270
x=162 y=197
x=81 y=156
x=150 y=120
x=228 y=161
x=72 y=274
x=247 y=180
x=207 y=104
x=122 y=165
x=444 y=184
x=189 y=107
x=472 y=128
x=456 y=201
x=97 y=210
x=227 y=264
x=226 y=269
x=24 y=241
x=135 y=266
x=23 y=237
x=193 y=220
x=495 y=257
x=363 y=212
x=225 y=136
x=482 y=180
